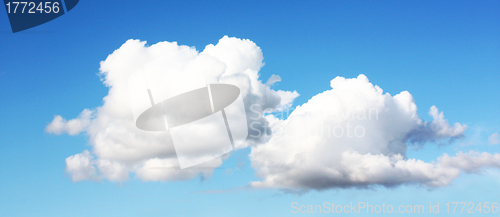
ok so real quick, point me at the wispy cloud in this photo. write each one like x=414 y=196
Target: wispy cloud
x=493 y=138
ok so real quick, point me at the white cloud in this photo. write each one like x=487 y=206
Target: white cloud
x=472 y=162
x=165 y=169
x=287 y=98
x=80 y=167
x=354 y=135
x=273 y=79
x=493 y=138
x=437 y=129
x=112 y=170
x=72 y=127
x=120 y=148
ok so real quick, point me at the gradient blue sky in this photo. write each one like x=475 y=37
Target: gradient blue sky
x=445 y=53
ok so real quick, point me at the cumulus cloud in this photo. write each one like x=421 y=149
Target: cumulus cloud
x=81 y=167
x=493 y=138
x=354 y=135
x=472 y=162
x=120 y=148
x=436 y=130
x=273 y=79
x=73 y=127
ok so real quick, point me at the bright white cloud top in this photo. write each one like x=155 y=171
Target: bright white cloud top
x=353 y=135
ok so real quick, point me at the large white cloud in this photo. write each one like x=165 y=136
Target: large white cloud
x=354 y=135
x=120 y=148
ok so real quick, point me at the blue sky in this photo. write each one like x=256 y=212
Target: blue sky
x=445 y=53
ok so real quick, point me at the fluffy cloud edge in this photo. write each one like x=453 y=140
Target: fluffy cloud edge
x=120 y=149
x=295 y=159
